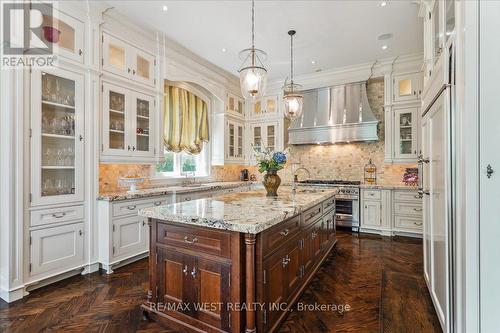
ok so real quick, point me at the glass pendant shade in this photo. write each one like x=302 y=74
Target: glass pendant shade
x=253 y=77
x=293 y=105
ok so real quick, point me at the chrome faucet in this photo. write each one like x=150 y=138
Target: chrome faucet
x=296 y=177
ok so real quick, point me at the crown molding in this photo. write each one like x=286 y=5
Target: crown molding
x=354 y=73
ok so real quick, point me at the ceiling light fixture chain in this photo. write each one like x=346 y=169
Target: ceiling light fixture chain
x=293 y=101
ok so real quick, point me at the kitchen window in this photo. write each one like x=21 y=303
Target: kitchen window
x=178 y=165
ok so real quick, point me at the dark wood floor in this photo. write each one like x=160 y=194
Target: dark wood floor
x=379 y=278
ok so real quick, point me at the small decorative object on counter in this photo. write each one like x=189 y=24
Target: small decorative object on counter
x=270 y=162
x=370 y=173
x=244 y=175
x=410 y=177
x=253 y=177
x=131 y=181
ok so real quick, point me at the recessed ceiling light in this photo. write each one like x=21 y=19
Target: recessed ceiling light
x=223 y=49
x=313 y=62
x=383 y=3
x=164 y=8
x=384 y=47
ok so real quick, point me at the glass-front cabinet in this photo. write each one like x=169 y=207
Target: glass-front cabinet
x=268 y=105
x=122 y=58
x=65 y=33
x=405 y=133
x=264 y=136
x=57 y=137
x=407 y=87
x=235 y=133
x=235 y=105
x=127 y=124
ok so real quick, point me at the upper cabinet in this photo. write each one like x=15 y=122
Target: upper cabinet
x=407 y=87
x=57 y=137
x=127 y=124
x=405 y=134
x=66 y=34
x=235 y=105
x=235 y=136
x=265 y=107
x=122 y=58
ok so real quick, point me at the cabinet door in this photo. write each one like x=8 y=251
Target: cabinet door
x=407 y=87
x=257 y=139
x=271 y=139
x=65 y=33
x=274 y=286
x=212 y=292
x=240 y=134
x=293 y=268
x=231 y=140
x=405 y=133
x=270 y=104
x=257 y=109
x=57 y=137
x=56 y=249
x=129 y=236
x=114 y=53
x=174 y=280
x=142 y=65
x=371 y=213
x=142 y=125
x=115 y=112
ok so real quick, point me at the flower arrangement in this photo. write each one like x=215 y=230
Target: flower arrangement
x=271 y=161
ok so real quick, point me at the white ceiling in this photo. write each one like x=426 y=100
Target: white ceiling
x=333 y=33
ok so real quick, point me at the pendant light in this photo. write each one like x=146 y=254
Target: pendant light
x=253 y=74
x=292 y=99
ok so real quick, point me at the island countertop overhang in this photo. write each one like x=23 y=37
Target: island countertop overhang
x=246 y=212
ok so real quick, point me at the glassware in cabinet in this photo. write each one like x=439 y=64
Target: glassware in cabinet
x=57 y=137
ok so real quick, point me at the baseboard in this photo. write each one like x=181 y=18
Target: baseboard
x=13 y=295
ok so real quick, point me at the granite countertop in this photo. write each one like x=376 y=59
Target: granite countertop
x=248 y=212
x=388 y=187
x=177 y=189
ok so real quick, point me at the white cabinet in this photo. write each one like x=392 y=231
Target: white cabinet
x=372 y=216
x=56 y=250
x=407 y=212
x=267 y=106
x=376 y=211
x=405 y=134
x=235 y=136
x=128 y=123
x=129 y=235
x=57 y=137
x=121 y=58
x=235 y=105
x=264 y=135
x=407 y=87
x=66 y=34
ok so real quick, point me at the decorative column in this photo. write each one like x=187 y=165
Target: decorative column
x=250 y=283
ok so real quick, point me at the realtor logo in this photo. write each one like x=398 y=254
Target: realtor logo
x=28 y=34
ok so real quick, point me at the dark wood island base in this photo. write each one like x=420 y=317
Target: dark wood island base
x=210 y=280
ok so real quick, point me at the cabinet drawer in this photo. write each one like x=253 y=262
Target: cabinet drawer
x=404 y=222
x=280 y=234
x=404 y=208
x=372 y=195
x=328 y=204
x=406 y=196
x=55 y=215
x=132 y=207
x=312 y=214
x=204 y=241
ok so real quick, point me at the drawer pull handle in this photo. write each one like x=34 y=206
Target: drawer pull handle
x=284 y=232
x=417 y=209
x=185 y=270
x=417 y=223
x=187 y=199
x=313 y=235
x=58 y=216
x=190 y=241
x=285 y=261
x=372 y=194
x=193 y=272
x=157 y=203
x=131 y=207
x=143 y=223
x=80 y=232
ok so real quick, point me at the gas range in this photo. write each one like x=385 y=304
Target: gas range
x=346 y=200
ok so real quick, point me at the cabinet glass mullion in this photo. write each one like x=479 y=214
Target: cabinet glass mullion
x=143 y=117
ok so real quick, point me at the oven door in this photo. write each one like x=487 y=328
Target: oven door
x=347 y=212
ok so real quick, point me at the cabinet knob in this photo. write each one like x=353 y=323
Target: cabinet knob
x=133 y=148
x=80 y=232
x=81 y=137
x=133 y=71
x=284 y=232
x=80 y=52
x=128 y=147
x=185 y=270
x=193 y=272
x=128 y=70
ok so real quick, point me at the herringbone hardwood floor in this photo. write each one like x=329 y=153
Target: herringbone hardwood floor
x=380 y=279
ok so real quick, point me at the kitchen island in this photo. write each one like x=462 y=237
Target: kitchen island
x=236 y=262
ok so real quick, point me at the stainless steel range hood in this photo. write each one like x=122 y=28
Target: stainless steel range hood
x=333 y=115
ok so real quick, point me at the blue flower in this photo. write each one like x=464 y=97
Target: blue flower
x=279 y=157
